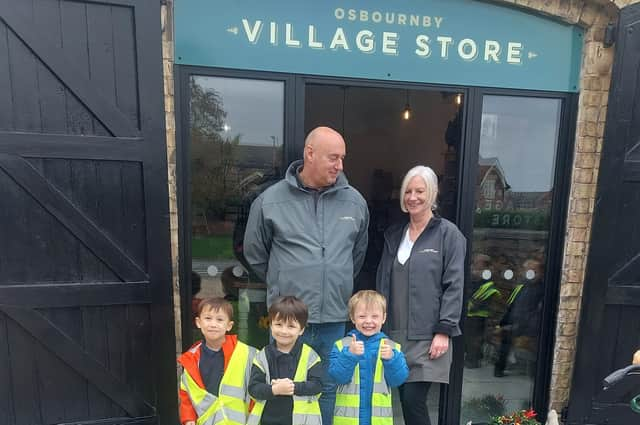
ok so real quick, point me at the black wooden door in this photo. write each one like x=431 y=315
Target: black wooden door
x=610 y=320
x=86 y=327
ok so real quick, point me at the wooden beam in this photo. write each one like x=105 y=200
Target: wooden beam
x=69 y=351
x=63 y=67
x=78 y=223
x=45 y=295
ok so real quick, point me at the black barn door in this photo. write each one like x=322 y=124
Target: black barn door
x=610 y=320
x=86 y=327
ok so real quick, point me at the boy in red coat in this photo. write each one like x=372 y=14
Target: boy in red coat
x=213 y=385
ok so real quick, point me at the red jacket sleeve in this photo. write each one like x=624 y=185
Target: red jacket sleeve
x=187 y=412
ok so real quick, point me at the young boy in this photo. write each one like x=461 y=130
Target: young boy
x=286 y=375
x=213 y=386
x=366 y=363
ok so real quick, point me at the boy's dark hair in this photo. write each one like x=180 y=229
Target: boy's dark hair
x=215 y=304
x=289 y=308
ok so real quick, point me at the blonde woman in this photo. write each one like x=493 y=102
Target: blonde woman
x=421 y=273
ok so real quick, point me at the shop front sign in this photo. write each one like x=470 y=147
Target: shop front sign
x=462 y=42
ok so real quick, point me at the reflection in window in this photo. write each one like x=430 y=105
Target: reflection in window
x=514 y=190
x=236 y=134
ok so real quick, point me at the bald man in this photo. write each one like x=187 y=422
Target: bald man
x=307 y=236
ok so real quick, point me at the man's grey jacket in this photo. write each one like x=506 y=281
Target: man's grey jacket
x=312 y=252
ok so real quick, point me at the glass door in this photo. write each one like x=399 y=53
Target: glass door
x=388 y=130
x=512 y=223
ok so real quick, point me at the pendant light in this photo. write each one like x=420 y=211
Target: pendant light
x=406 y=113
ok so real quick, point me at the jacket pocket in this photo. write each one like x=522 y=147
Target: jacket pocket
x=304 y=282
x=337 y=291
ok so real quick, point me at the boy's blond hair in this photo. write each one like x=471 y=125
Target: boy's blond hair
x=367 y=297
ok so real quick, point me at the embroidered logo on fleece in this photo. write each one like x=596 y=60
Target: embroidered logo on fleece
x=434 y=251
x=347 y=217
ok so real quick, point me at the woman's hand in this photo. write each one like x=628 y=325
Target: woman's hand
x=439 y=346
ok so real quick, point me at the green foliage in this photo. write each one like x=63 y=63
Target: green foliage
x=213 y=156
x=218 y=247
x=482 y=407
x=512 y=219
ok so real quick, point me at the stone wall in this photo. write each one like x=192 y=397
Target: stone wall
x=593 y=15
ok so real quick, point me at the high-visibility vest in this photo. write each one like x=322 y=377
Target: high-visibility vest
x=306 y=409
x=477 y=305
x=347 y=410
x=231 y=406
x=515 y=293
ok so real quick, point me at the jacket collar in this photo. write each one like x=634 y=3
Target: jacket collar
x=292 y=171
x=190 y=359
x=297 y=347
x=395 y=233
x=372 y=338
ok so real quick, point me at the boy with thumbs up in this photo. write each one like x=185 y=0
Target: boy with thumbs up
x=366 y=364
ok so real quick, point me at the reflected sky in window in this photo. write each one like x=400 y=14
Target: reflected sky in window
x=522 y=133
x=253 y=107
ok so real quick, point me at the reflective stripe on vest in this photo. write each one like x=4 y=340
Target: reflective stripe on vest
x=231 y=405
x=347 y=410
x=477 y=305
x=514 y=294
x=306 y=409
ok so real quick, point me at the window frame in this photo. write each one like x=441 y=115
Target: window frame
x=559 y=208
x=294 y=98
x=182 y=74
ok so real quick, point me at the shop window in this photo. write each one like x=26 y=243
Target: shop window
x=236 y=129
x=518 y=144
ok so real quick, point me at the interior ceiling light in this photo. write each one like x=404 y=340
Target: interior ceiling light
x=459 y=99
x=406 y=113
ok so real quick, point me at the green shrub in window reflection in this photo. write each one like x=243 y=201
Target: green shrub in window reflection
x=482 y=408
x=512 y=219
x=212 y=247
x=214 y=154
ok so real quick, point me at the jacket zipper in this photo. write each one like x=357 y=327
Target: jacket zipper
x=324 y=267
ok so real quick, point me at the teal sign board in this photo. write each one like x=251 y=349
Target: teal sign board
x=461 y=42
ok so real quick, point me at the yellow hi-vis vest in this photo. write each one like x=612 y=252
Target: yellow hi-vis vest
x=347 y=410
x=306 y=409
x=232 y=404
x=476 y=307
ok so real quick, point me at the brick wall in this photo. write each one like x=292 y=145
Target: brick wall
x=170 y=119
x=593 y=15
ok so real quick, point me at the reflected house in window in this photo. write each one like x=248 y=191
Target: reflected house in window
x=494 y=193
x=528 y=200
x=492 y=186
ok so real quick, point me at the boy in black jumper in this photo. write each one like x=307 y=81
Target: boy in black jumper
x=286 y=374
